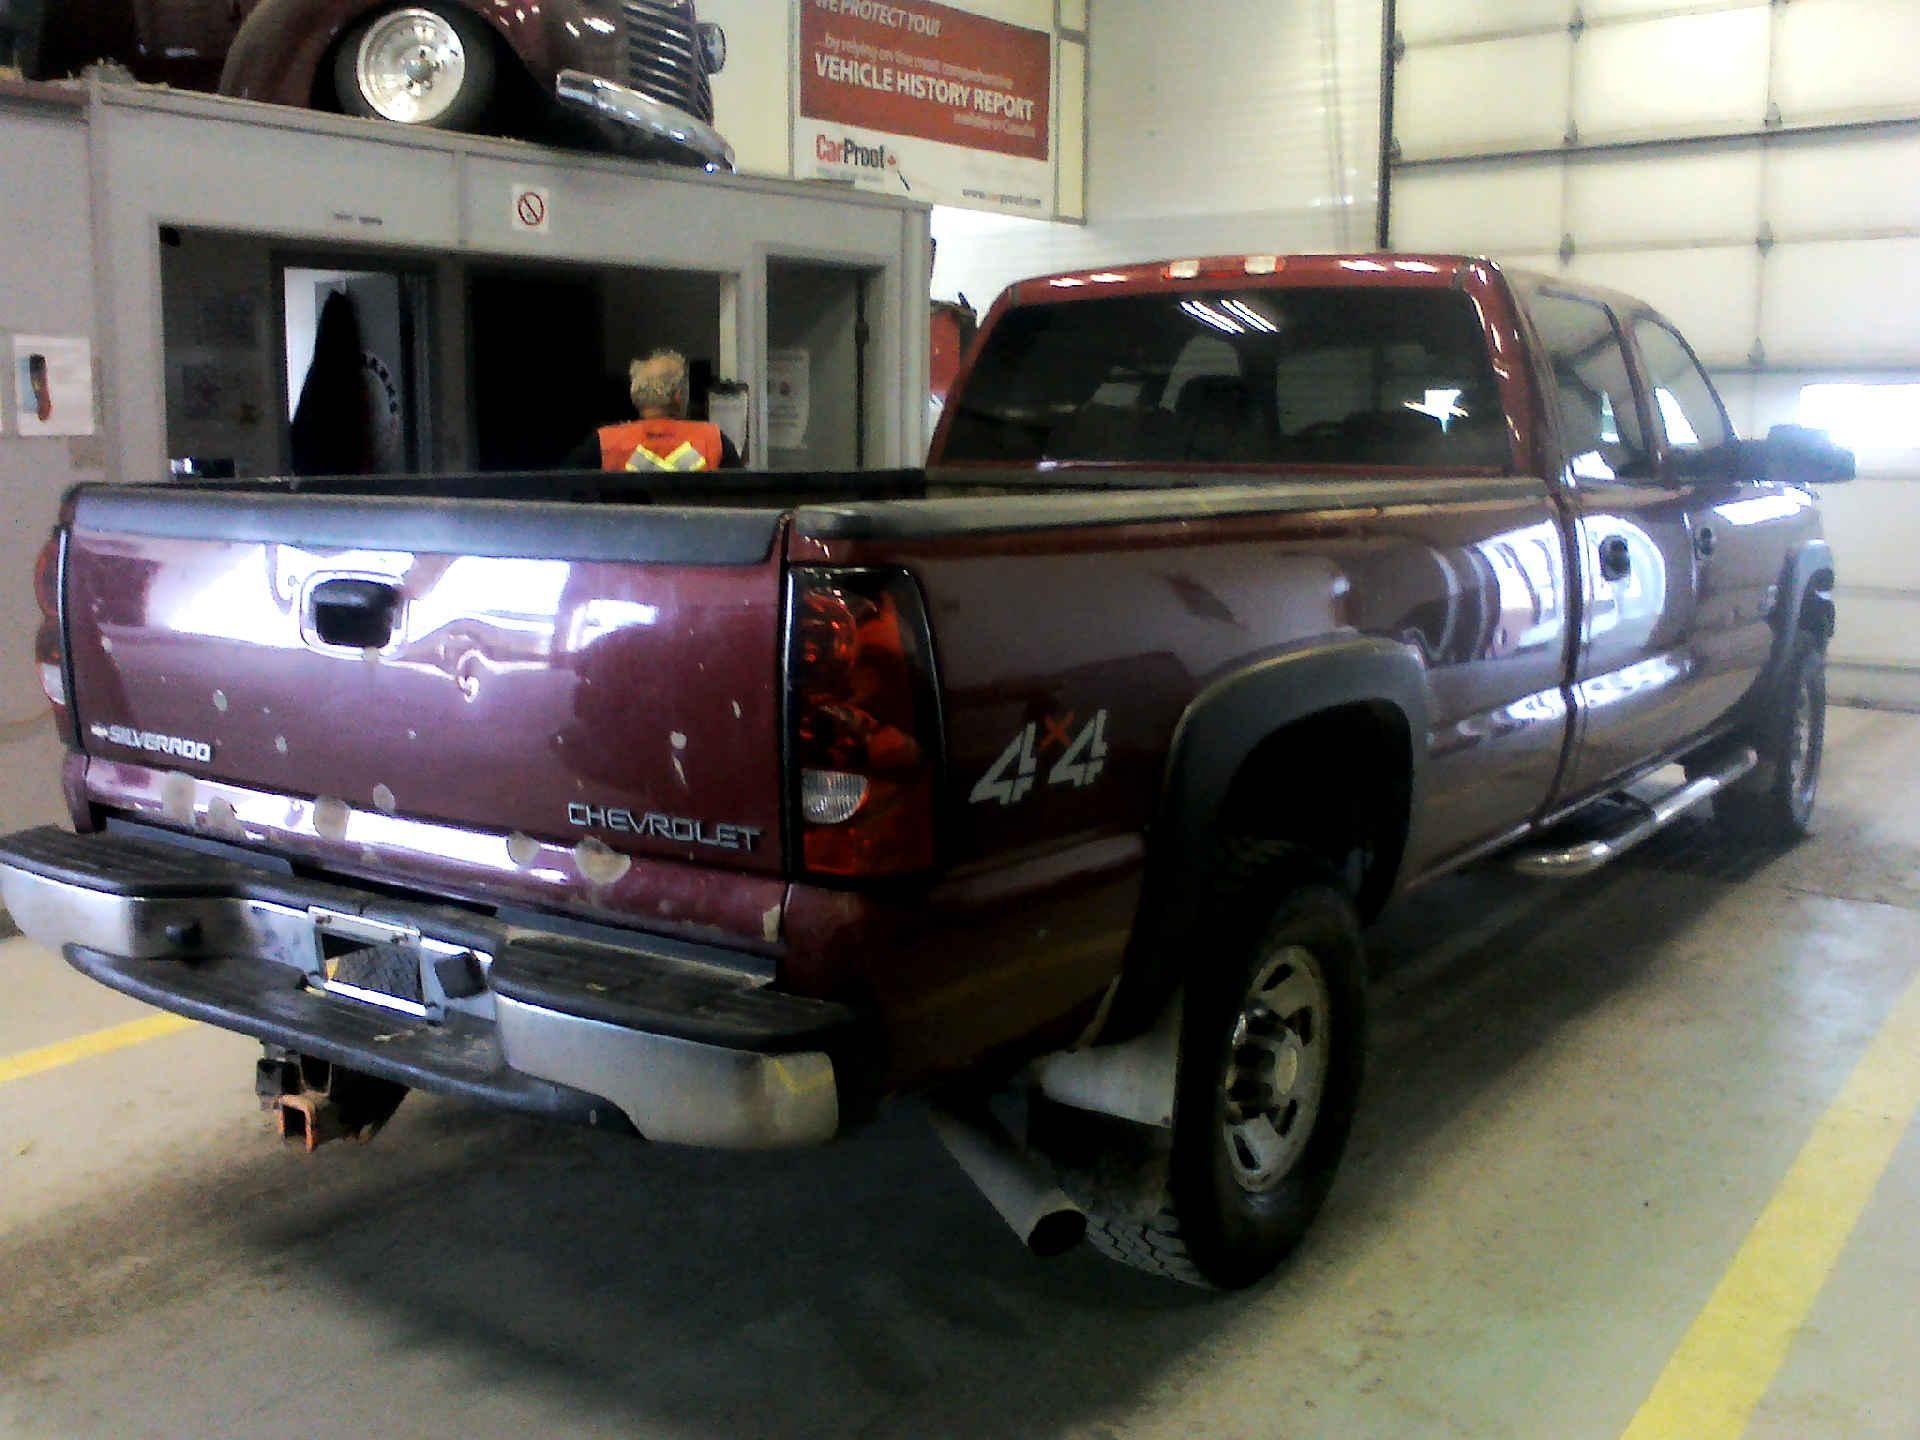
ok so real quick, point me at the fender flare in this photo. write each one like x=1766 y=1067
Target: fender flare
x=1216 y=735
x=1805 y=600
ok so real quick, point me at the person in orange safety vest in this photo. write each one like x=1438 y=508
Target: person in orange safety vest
x=662 y=439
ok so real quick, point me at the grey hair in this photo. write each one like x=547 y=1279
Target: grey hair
x=659 y=381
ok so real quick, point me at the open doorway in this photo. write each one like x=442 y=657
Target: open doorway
x=817 y=382
x=550 y=350
x=358 y=371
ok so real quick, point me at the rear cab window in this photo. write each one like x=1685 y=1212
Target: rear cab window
x=1297 y=376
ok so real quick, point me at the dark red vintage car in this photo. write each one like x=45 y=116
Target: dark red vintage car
x=636 y=72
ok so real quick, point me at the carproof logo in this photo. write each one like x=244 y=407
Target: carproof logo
x=154 y=742
x=851 y=152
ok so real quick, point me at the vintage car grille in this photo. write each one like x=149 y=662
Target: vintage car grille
x=663 y=55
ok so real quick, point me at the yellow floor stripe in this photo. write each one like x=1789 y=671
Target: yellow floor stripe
x=1728 y=1359
x=85 y=1047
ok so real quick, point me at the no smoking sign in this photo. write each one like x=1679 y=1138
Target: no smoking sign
x=531 y=211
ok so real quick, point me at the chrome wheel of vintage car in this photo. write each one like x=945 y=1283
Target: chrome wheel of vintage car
x=428 y=65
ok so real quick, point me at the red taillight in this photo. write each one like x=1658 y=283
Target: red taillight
x=863 y=722
x=49 y=655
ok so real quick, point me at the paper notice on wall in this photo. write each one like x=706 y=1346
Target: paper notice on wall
x=53 y=384
x=729 y=409
x=788 y=383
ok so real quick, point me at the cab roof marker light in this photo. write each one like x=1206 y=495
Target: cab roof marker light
x=1265 y=264
x=1106 y=277
x=1373 y=266
x=1183 y=270
x=1066 y=282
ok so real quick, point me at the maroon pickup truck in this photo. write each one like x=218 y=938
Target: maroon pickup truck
x=1053 y=783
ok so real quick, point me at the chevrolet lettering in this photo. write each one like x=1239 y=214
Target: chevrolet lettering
x=677 y=828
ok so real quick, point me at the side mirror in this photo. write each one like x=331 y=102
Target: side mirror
x=1797 y=455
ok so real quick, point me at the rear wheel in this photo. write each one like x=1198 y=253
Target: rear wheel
x=430 y=64
x=1774 y=803
x=1269 y=1070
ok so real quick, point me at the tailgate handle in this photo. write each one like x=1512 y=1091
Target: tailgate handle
x=358 y=613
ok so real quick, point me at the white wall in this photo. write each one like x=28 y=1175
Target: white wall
x=752 y=97
x=46 y=287
x=1214 y=127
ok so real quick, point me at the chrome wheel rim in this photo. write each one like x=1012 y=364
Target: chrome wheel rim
x=1276 y=1072
x=410 y=66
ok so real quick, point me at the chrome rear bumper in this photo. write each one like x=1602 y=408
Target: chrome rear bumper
x=684 y=1044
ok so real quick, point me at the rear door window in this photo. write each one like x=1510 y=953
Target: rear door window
x=1285 y=375
x=1684 y=399
x=1599 y=416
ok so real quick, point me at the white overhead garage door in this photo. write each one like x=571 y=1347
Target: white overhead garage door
x=1752 y=169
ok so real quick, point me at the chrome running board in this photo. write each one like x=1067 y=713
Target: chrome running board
x=1650 y=817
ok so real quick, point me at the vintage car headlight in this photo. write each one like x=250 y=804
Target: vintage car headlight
x=713 y=47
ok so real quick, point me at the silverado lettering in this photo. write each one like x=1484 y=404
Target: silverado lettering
x=148 y=740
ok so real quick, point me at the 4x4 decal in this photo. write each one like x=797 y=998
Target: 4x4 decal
x=1083 y=756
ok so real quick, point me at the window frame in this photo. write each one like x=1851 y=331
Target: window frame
x=1667 y=453
x=1652 y=456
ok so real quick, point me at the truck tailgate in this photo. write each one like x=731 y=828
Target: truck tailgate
x=558 y=671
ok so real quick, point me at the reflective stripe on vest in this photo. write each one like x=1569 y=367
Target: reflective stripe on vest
x=684 y=458
x=647 y=445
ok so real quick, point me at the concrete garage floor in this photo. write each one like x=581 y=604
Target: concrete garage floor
x=1580 y=1101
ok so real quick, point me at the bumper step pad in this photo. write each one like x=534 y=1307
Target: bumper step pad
x=458 y=1057
x=682 y=1041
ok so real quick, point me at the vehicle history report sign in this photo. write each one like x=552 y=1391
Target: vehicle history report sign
x=926 y=100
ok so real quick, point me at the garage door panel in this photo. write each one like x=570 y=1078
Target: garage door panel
x=1875 y=627
x=1847 y=57
x=1544 y=262
x=1481 y=211
x=1468 y=99
x=1833 y=183
x=1843 y=302
x=1685 y=75
x=1874 y=528
x=1601 y=10
x=1678 y=198
x=1425 y=20
x=1710 y=294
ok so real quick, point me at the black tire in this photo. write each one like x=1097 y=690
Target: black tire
x=1229 y=1214
x=1773 y=804
x=454 y=74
